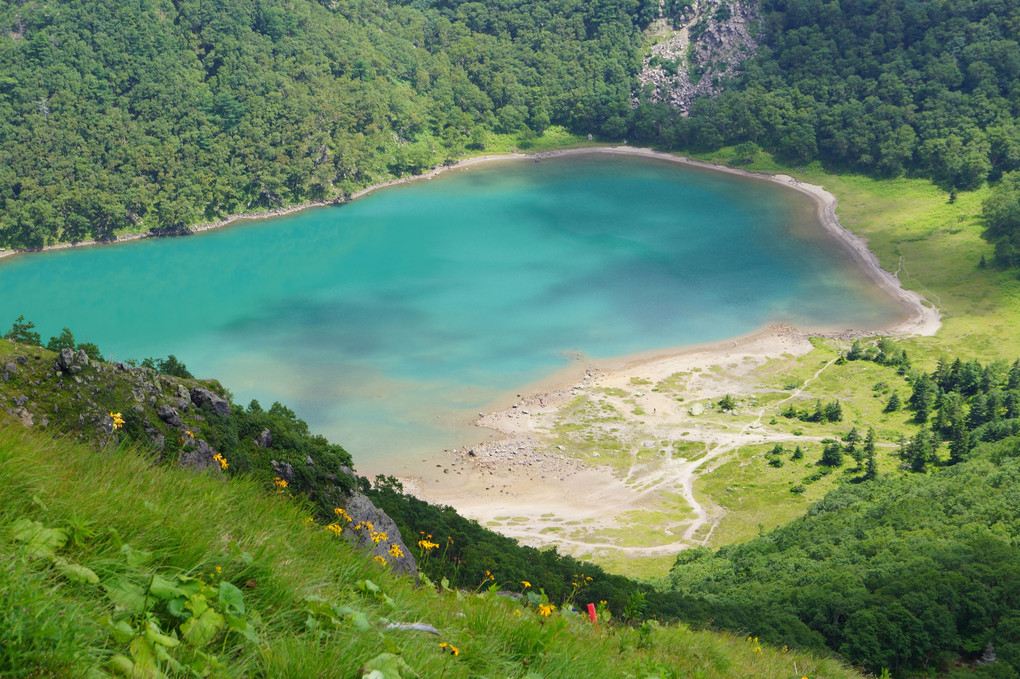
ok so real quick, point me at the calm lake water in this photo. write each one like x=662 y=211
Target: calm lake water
x=386 y=323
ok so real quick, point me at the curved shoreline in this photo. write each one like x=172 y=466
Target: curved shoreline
x=922 y=319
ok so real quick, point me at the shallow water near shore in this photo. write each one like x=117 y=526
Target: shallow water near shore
x=387 y=323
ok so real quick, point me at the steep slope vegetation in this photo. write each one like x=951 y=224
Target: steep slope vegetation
x=112 y=567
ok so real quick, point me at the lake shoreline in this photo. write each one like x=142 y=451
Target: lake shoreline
x=514 y=471
x=921 y=318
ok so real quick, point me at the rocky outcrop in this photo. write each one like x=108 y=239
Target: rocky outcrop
x=70 y=361
x=169 y=415
x=361 y=510
x=107 y=404
x=698 y=50
x=201 y=397
x=200 y=458
x=264 y=439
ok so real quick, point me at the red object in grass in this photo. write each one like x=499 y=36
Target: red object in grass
x=591 y=613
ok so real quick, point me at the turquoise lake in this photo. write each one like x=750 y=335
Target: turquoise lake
x=388 y=322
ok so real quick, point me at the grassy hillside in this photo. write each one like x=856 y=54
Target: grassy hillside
x=111 y=564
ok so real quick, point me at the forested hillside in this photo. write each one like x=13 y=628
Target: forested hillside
x=912 y=572
x=879 y=86
x=153 y=115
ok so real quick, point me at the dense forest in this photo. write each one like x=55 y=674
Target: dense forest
x=879 y=86
x=154 y=115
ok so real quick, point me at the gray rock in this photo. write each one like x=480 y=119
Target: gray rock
x=169 y=415
x=200 y=458
x=201 y=396
x=70 y=361
x=264 y=439
x=283 y=470
x=360 y=508
x=413 y=627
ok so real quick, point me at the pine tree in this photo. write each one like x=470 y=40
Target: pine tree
x=894 y=403
x=833 y=412
x=798 y=454
x=832 y=455
x=1014 y=375
x=922 y=400
x=923 y=451
x=870 y=468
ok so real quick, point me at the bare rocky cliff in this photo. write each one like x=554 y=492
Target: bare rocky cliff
x=696 y=46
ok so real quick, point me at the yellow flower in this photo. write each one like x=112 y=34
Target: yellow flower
x=309 y=519
x=222 y=460
x=449 y=648
x=379 y=536
x=280 y=484
x=218 y=570
x=379 y=560
x=340 y=511
x=335 y=529
x=427 y=546
x=525 y=583
x=396 y=551
x=118 y=421
x=545 y=610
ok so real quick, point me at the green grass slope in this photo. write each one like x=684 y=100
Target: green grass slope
x=114 y=567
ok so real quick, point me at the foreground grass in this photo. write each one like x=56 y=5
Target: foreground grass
x=307 y=606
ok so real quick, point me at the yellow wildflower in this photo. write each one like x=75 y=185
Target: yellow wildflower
x=280 y=484
x=309 y=519
x=525 y=583
x=396 y=551
x=545 y=610
x=379 y=536
x=379 y=560
x=222 y=460
x=335 y=529
x=427 y=546
x=449 y=648
x=340 y=511
x=118 y=421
